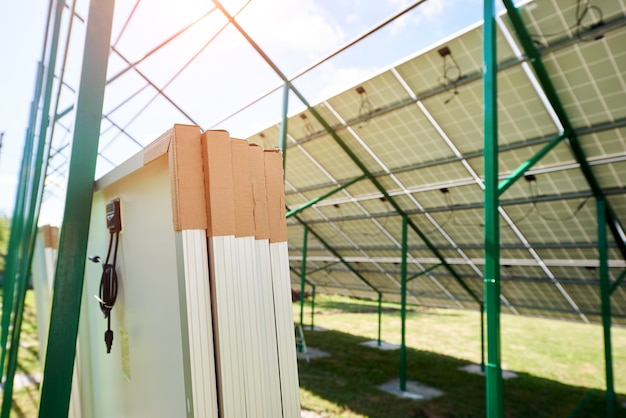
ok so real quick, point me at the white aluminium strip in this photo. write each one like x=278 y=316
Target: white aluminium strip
x=227 y=328
x=267 y=326
x=251 y=335
x=198 y=301
x=285 y=330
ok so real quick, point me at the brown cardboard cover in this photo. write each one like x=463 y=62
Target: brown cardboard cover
x=259 y=192
x=50 y=235
x=218 y=182
x=244 y=201
x=275 y=195
x=158 y=147
x=184 y=148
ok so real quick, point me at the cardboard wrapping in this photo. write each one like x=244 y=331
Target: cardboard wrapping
x=184 y=149
x=218 y=182
x=259 y=192
x=224 y=185
x=50 y=236
x=244 y=200
x=275 y=195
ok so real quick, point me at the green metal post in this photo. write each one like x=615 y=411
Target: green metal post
x=324 y=196
x=17 y=222
x=494 y=390
x=283 y=125
x=313 y=308
x=15 y=240
x=7 y=394
x=68 y=283
x=305 y=240
x=403 y=306
x=380 y=315
x=606 y=307
x=482 y=337
x=519 y=172
x=31 y=215
x=618 y=281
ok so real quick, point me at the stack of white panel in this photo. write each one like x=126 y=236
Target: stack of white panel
x=203 y=322
x=253 y=323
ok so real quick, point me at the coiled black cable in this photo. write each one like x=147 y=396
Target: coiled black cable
x=108 y=286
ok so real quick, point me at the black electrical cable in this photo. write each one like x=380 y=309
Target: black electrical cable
x=108 y=286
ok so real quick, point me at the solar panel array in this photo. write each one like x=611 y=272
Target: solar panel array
x=417 y=126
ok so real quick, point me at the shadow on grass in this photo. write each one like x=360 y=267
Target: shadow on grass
x=349 y=377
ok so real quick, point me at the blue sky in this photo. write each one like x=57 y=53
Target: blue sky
x=294 y=33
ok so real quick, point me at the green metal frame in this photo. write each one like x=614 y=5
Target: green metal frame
x=403 y=281
x=17 y=222
x=523 y=168
x=380 y=317
x=68 y=283
x=606 y=215
x=605 y=295
x=336 y=254
x=494 y=387
x=313 y=305
x=421 y=273
x=303 y=273
x=617 y=282
x=324 y=196
x=30 y=206
x=283 y=126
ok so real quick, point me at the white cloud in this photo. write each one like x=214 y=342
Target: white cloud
x=291 y=26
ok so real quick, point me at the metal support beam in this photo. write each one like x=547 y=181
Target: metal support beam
x=324 y=196
x=494 y=392
x=303 y=273
x=605 y=295
x=403 y=306
x=519 y=172
x=421 y=273
x=64 y=112
x=68 y=283
x=482 y=337
x=617 y=282
x=283 y=126
x=313 y=307
x=323 y=267
x=336 y=254
x=380 y=316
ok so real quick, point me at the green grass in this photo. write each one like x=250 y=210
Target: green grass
x=558 y=363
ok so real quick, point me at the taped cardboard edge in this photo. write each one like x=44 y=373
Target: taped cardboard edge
x=259 y=192
x=218 y=182
x=158 y=147
x=275 y=195
x=183 y=146
x=244 y=201
x=50 y=236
